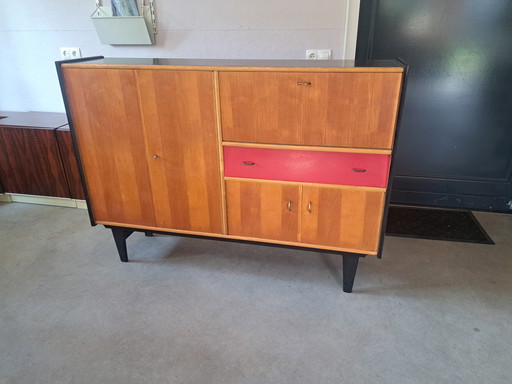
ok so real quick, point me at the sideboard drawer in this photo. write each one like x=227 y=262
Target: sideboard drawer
x=342 y=168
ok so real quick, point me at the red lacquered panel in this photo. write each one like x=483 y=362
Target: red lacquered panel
x=307 y=166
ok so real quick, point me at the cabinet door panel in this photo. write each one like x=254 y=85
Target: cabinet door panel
x=342 y=217
x=179 y=118
x=30 y=162
x=263 y=210
x=107 y=122
x=334 y=109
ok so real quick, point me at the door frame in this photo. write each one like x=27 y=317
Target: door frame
x=483 y=195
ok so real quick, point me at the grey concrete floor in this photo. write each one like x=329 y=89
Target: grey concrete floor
x=200 y=311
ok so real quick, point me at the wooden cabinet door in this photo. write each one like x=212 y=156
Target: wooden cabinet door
x=324 y=109
x=106 y=118
x=342 y=217
x=30 y=162
x=178 y=109
x=263 y=210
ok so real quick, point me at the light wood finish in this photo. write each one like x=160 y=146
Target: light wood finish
x=152 y=133
x=263 y=210
x=355 y=187
x=218 y=126
x=301 y=203
x=179 y=121
x=233 y=237
x=309 y=148
x=342 y=217
x=107 y=123
x=337 y=109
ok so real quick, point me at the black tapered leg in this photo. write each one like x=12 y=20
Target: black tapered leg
x=120 y=236
x=149 y=234
x=350 y=262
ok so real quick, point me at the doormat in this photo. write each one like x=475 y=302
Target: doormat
x=435 y=224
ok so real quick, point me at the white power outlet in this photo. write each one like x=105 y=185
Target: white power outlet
x=318 y=54
x=312 y=54
x=70 y=53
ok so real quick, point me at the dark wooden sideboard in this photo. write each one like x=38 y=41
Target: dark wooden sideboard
x=287 y=153
x=36 y=155
x=69 y=162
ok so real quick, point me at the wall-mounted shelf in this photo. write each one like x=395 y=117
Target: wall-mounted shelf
x=125 y=30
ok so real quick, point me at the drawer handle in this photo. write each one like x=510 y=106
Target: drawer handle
x=248 y=163
x=359 y=170
x=304 y=83
x=289 y=205
x=309 y=207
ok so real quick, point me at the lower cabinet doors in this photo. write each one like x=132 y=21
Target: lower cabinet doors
x=339 y=217
x=342 y=217
x=263 y=210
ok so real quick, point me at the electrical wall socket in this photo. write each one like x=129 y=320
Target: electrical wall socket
x=311 y=54
x=318 y=54
x=70 y=53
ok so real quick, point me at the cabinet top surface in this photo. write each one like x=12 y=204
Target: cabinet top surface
x=32 y=120
x=237 y=64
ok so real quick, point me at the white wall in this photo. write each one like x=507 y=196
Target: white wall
x=31 y=32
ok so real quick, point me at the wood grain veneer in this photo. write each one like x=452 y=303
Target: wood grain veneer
x=108 y=129
x=220 y=153
x=30 y=162
x=344 y=217
x=355 y=187
x=335 y=109
x=175 y=116
x=178 y=111
x=69 y=162
x=263 y=210
x=308 y=148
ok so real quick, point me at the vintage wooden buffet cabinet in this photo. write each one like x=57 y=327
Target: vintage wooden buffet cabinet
x=290 y=153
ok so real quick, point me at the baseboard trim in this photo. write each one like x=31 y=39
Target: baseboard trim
x=43 y=200
x=439 y=200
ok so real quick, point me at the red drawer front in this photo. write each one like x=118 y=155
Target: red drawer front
x=307 y=166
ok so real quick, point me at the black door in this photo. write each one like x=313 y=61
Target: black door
x=455 y=142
